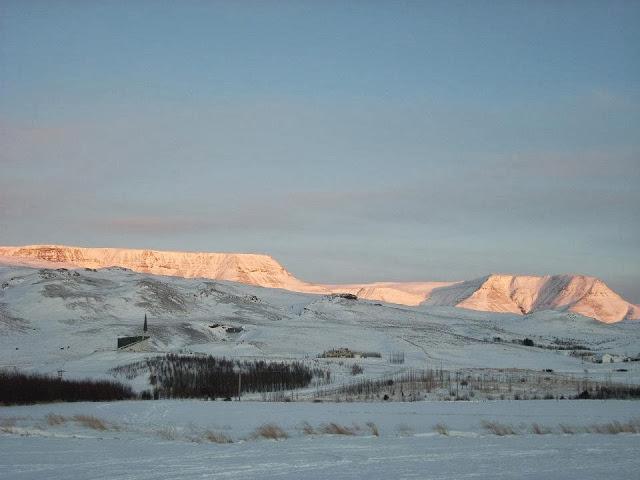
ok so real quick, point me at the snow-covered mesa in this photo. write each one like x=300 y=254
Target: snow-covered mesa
x=518 y=294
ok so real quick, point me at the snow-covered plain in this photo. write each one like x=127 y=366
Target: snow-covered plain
x=167 y=440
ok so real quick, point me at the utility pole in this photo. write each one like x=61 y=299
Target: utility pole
x=239 y=384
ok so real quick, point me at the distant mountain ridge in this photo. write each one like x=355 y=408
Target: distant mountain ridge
x=519 y=294
x=523 y=294
x=251 y=269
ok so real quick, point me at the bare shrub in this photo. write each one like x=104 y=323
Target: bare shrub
x=374 y=429
x=602 y=392
x=337 y=429
x=186 y=376
x=53 y=419
x=540 y=429
x=307 y=429
x=356 y=369
x=497 y=428
x=464 y=384
x=271 y=431
x=396 y=358
x=441 y=428
x=216 y=437
x=90 y=421
x=22 y=388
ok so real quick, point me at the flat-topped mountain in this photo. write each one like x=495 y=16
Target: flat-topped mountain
x=519 y=294
x=251 y=269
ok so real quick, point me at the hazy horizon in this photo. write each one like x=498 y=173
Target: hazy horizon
x=353 y=142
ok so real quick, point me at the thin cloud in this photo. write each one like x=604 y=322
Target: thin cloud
x=620 y=163
x=156 y=225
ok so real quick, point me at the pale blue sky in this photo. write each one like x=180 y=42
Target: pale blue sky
x=353 y=141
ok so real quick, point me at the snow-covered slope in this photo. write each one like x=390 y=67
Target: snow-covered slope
x=403 y=293
x=70 y=319
x=494 y=293
x=587 y=296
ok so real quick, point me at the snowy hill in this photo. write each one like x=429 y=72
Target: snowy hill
x=53 y=319
x=587 y=296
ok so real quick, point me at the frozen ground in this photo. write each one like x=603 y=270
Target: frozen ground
x=166 y=440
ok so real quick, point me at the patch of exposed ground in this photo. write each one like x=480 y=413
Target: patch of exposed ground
x=159 y=297
x=9 y=322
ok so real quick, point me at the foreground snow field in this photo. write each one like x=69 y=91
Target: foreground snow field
x=168 y=440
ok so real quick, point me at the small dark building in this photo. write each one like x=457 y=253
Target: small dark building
x=129 y=341
x=126 y=341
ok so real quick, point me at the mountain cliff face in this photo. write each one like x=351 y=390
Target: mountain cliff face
x=587 y=296
x=250 y=269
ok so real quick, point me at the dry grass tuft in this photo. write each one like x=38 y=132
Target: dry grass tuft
x=7 y=425
x=216 y=437
x=7 y=422
x=271 y=431
x=53 y=419
x=90 y=421
x=374 y=429
x=568 y=429
x=336 y=429
x=631 y=427
x=167 y=433
x=540 y=429
x=499 y=429
x=307 y=429
x=441 y=428
x=613 y=428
